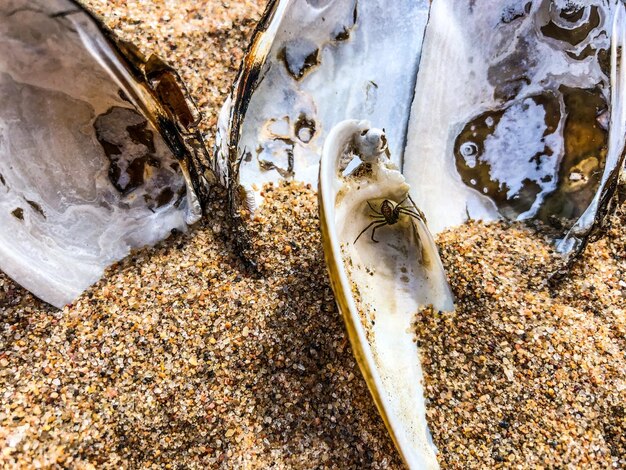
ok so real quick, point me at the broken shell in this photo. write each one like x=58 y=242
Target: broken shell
x=509 y=110
x=312 y=64
x=380 y=285
x=97 y=146
x=528 y=122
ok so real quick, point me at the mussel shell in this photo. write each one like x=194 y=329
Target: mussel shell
x=311 y=65
x=517 y=113
x=95 y=157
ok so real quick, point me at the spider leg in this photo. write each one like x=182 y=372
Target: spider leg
x=404 y=210
x=417 y=209
x=414 y=210
x=373 y=210
x=380 y=224
x=365 y=230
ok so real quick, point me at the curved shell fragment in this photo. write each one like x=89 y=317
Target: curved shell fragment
x=381 y=279
x=94 y=158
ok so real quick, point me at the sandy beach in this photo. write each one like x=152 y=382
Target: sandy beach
x=528 y=373
x=181 y=357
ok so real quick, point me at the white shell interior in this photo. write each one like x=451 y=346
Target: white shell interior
x=383 y=284
x=325 y=67
x=67 y=210
x=493 y=109
x=501 y=55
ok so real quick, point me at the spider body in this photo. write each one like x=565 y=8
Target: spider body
x=389 y=214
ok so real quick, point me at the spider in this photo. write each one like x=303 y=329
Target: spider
x=389 y=215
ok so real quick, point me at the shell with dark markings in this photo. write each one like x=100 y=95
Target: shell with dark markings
x=97 y=149
x=528 y=122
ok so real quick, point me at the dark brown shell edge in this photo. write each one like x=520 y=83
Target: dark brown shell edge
x=246 y=82
x=613 y=194
x=176 y=117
